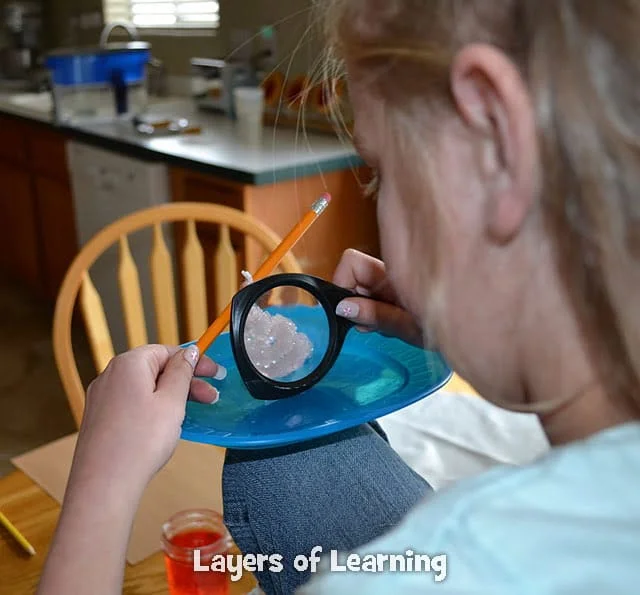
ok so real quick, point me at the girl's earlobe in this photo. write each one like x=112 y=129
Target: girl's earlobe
x=506 y=213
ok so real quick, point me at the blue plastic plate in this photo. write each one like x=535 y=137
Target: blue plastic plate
x=374 y=376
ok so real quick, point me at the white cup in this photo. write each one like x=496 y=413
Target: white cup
x=249 y=102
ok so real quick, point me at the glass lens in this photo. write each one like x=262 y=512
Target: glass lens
x=287 y=334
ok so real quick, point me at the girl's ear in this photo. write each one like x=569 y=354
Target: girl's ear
x=493 y=102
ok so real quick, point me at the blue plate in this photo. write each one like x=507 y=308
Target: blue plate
x=373 y=376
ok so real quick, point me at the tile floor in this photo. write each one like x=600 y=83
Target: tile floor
x=33 y=406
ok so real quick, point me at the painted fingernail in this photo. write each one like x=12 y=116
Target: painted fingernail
x=215 y=396
x=348 y=310
x=192 y=355
x=221 y=374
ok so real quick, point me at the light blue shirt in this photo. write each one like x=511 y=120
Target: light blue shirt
x=568 y=524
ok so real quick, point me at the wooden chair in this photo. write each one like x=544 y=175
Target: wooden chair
x=78 y=285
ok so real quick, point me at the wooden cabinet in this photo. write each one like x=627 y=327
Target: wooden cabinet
x=37 y=224
x=19 y=250
x=350 y=221
x=57 y=231
x=191 y=186
x=38 y=240
x=54 y=204
x=13 y=148
x=48 y=153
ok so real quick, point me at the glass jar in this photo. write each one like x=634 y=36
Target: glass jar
x=183 y=535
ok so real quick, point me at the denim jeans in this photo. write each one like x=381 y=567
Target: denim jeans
x=339 y=492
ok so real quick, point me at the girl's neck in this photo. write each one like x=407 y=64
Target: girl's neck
x=559 y=377
x=593 y=410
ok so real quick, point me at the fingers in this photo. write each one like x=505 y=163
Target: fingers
x=203 y=392
x=385 y=318
x=207 y=368
x=199 y=390
x=356 y=268
x=363 y=274
x=178 y=373
x=157 y=357
x=154 y=356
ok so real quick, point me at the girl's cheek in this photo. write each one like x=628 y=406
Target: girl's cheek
x=388 y=228
x=394 y=242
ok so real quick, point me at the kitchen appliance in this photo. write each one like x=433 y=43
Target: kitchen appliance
x=22 y=31
x=213 y=82
x=106 y=81
x=108 y=186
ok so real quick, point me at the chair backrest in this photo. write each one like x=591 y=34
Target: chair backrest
x=79 y=286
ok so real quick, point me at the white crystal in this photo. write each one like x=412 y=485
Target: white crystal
x=274 y=345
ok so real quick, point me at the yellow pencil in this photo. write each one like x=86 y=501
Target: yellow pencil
x=274 y=259
x=8 y=525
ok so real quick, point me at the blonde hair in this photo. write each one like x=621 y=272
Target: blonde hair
x=581 y=60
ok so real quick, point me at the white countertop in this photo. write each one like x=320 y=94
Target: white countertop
x=26 y=105
x=284 y=153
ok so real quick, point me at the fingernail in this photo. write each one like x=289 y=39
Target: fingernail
x=348 y=310
x=216 y=396
x=192 y=355
x=221 y=374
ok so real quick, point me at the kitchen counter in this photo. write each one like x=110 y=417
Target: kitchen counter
x=285 y=154
x=48 y=192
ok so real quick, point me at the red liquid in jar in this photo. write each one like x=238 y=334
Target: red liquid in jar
x=183 y=580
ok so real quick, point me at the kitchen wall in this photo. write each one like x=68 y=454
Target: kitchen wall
x=291 y=18
x=297 y=40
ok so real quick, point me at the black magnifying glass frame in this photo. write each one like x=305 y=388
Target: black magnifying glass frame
x=328 y=296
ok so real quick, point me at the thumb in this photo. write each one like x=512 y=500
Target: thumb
x=177 y=375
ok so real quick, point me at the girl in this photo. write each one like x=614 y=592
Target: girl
x=505 y=135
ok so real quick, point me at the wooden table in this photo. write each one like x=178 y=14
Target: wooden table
x=35 y=514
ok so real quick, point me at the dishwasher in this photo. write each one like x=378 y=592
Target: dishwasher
x=107 y=186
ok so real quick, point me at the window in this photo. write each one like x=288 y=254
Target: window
x=164 y=14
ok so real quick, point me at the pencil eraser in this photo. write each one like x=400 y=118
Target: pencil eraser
x=321 y=204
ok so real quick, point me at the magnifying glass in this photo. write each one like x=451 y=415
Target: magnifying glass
x=285 y=334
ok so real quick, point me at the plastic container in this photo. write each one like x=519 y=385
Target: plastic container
x=250 y=108
x=182 y=535
x=100 y=82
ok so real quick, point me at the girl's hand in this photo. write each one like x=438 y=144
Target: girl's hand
x=379 y=309
x=134 y=411
x=130 y=428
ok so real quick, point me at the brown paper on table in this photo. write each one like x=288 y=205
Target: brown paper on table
x=192 y=479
